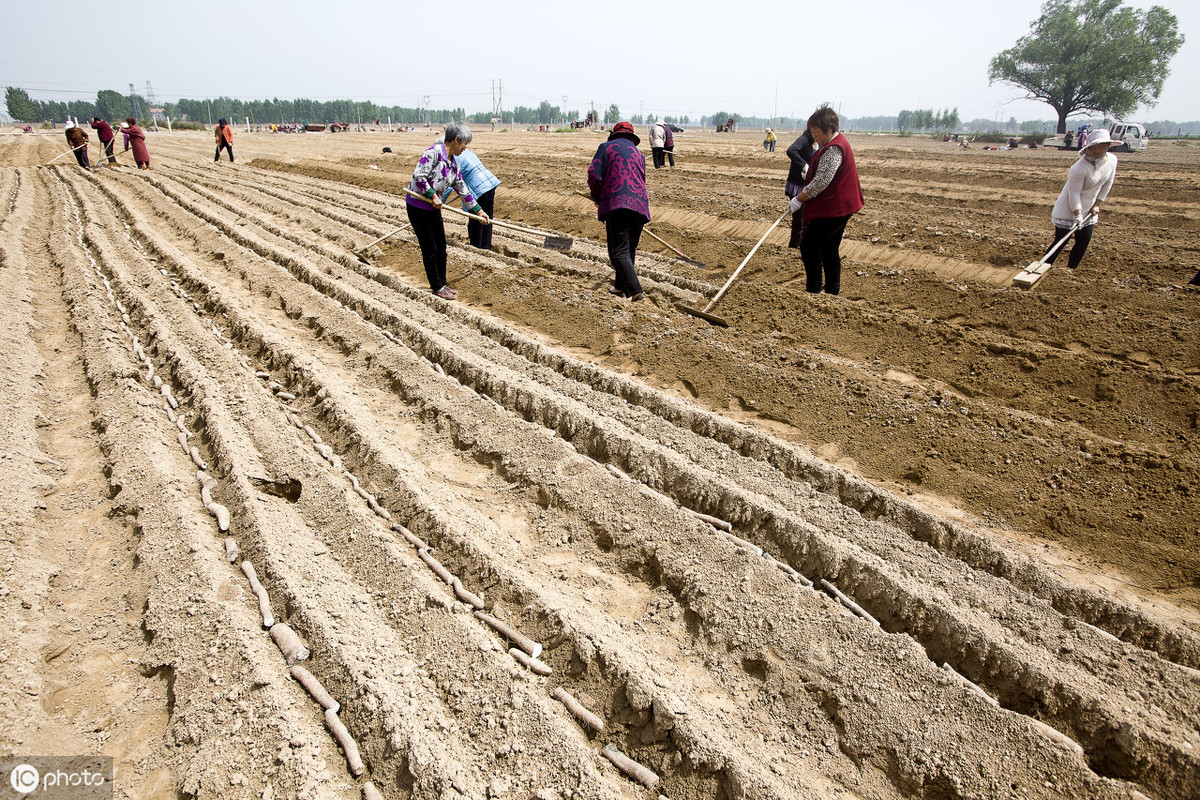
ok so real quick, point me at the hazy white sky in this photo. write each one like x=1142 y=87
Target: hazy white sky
x=647 y=56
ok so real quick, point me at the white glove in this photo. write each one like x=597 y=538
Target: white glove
x=794 y=205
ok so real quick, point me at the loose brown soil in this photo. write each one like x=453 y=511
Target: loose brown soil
x=1003 y=480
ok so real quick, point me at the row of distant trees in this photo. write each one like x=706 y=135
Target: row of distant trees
x=113 y=105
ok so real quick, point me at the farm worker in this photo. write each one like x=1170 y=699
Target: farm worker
x=769 y=143
x=137 y=140
x=104 y=133
x=658 y=141
x=77 y=137
x=831 y=195
x=799 y=154
x=482 y=184
x=617 y=183
x=224 y=136
x=436 y=171
x=669 y=143
x=1088 y=184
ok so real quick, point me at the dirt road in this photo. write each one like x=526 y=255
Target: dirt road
x=656 y=514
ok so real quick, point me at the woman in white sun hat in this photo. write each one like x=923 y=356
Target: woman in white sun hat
x=1088 y=184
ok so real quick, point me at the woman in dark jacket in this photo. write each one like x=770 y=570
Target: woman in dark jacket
x=800 y=153
x=617 y=182
x=831 y=195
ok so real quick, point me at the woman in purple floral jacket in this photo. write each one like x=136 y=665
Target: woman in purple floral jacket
x=617 y=182
x=437 y=171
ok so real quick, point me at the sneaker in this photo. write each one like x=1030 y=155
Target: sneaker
x=616 y=291
x=451 y=291
x=638 y=296
x=444 y=293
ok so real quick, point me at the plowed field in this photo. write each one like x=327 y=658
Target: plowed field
x=934 y=537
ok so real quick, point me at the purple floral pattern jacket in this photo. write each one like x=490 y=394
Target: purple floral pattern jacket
x=617 y=178
x=436 y=172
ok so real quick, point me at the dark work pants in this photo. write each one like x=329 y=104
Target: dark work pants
x=670 y=152
x=480 y=234
x=81 y=156
x=431 y=235
x=797 y=229
x=659 y=158
x=108 y=150
x=819 y=250
x=1083 y=238
x=623 y=229
x=228 y=146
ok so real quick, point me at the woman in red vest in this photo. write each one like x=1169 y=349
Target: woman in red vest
x=830 y=197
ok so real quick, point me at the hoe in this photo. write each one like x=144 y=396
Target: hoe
x=562 y=243
x=713 y=318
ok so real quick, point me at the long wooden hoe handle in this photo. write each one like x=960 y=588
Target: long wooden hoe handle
x=476 y=217
x=745 y=261
x=60 y=155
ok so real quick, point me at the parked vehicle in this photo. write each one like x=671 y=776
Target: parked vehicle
x=1130 y=135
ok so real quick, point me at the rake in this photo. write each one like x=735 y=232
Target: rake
x=561 y=243
x=713 y=318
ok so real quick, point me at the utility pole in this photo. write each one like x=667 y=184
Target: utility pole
x=564 y=109
x=151 y=102
x=209 y=104
x=427 y=117
x=137 y=112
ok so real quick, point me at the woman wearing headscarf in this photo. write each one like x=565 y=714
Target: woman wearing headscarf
x=658 y=143
x=831 y=195
x=436 y=171
x=136 y=140
x=1088 y=184
x=224 y=137
x=78 y=139
x=617 y=183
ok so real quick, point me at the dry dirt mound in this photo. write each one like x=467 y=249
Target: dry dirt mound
x=541 y=532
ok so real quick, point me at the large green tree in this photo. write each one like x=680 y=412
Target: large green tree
x=613 y=114
x=20 y=105
x=112 y=105
x=1092 y=55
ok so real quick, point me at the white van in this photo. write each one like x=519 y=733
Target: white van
x=1131 y=135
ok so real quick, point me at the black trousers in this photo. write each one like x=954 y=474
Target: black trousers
x=81 y=155
x=431 y=235
x=670 y=151
x=1083 y=238
x=480 y=234
x=623 y=229
x=797 y=234
x=228 y=146
x=820 y=248
x=659 y=158
x=108 y=150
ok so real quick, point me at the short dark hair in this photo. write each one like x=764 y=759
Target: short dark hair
x=825 y=118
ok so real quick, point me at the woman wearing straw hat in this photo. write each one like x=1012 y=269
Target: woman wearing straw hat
x=1088 y=184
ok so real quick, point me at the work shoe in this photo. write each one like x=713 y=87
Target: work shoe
x=616 y=291
x=638 y=296
x=445 y=293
